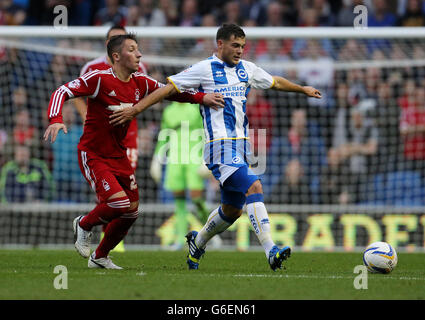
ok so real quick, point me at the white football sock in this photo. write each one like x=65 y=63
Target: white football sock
x=259 y=218
x=217 y=222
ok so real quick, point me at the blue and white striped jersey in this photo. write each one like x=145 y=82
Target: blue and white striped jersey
x=226 y=129
x=234 y=83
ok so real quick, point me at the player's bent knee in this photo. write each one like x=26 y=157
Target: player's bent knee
x=231 y=212
x=119 y=204
x=256 y=187
x=134 y=206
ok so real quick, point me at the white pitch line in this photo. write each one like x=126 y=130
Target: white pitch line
x=320 y=277
x=304 y=276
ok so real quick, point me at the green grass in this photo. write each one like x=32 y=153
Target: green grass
x=163 y=275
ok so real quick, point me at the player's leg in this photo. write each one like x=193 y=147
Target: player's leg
x=118 y=227
x=232 y=202
x=195 y=183
x=113 y=201
x=180 y=214
x=258 y=216
x=116 y=230
x=175 y=182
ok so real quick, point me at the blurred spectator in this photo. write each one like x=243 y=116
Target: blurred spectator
x=66 y=170
x=18 y=102
x=3 y=146
x=361 y=148
x=301 y=143
x=113 y=14
x=271 y=52
x=253 y=10
x=342 y=115
x=335 y=181
x=412 y=126
x=275 y=17
x=146 y=146
x=317 y=69
x=294 y=186
x=414 y=16
x=387 y=119
x=373 y=76
x=24 y=132
x=300 y=48
x=189 y=16
x=325 y=17
x=205 y=47
x=169 y=9
x=149 y=15
x=345 y=16
x=352 y=49
x=81 y=12
x=25 y=179
x=232 y=13
x=380 y=15
x=11 y=14
x=260 y=113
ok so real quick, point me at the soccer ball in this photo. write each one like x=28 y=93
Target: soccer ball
x=380 y=257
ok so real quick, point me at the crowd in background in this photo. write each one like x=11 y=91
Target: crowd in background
x=213 y=12
x=363 y=142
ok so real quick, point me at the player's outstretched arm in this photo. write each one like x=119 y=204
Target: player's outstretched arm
x=119 y=117
x=53 y=130
x=283 y=84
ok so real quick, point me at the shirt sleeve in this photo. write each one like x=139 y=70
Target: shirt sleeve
x=260 y=79
x=86 y=85
x=188 y=79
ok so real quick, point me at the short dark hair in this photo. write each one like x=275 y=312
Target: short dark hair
x=115 y=27
x=229 y=29
x=116 y=42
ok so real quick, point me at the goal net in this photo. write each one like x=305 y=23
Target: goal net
x=337 y=173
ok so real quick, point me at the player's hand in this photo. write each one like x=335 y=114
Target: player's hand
x=213 y=100
x=312 y=92
x=121 y=116
x=53 y=130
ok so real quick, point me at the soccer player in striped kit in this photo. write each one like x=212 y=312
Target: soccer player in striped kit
x=101 y=151
x=227 y=150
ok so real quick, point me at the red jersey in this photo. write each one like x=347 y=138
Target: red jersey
x=101 y=63
x=105 y=93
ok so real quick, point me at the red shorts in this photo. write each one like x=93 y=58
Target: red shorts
x=108 y=176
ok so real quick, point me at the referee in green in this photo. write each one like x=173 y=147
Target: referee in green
x=180 y=146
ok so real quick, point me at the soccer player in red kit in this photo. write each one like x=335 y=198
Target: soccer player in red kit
x=101 y=152
x=130 y=141
x=104 y=63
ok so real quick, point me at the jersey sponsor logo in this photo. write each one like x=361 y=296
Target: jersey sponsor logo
x=236 y=160
x=112 y=94
x=242 y=74
x=137 y=94
x=75 y=84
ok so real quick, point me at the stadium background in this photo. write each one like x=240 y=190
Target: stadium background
x=321 y=193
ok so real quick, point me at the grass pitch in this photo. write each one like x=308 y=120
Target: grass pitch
x=163 y=275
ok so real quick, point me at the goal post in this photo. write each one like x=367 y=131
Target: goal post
x=358 y=178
